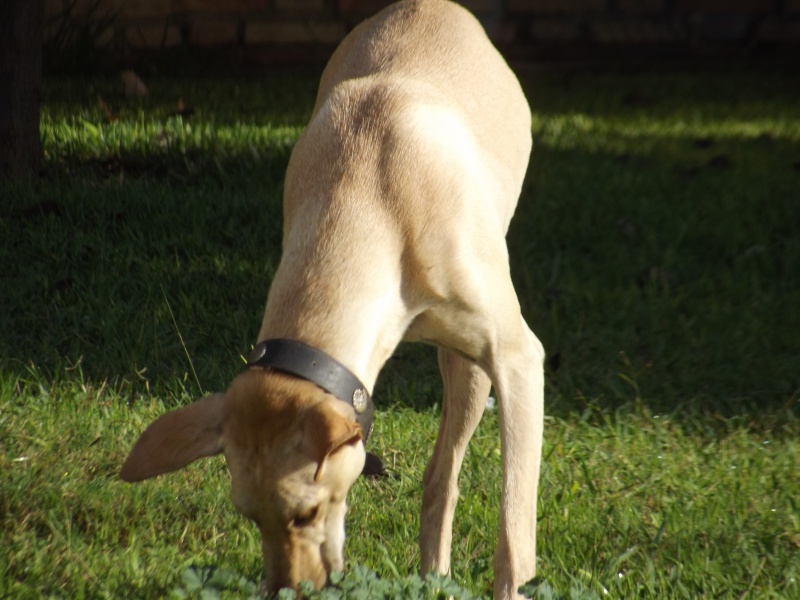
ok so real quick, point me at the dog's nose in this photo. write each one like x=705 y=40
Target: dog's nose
x=272 y=585
x=265 y=590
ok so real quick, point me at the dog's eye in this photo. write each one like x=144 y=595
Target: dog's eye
x=305 y=519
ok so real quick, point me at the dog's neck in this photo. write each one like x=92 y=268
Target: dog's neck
x=358 y=335
x=343 y=283
x=311 y=364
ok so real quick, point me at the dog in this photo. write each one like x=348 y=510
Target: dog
x=397 y=200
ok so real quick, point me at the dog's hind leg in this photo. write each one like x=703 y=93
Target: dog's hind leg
x=518 y=375
x=466 y=387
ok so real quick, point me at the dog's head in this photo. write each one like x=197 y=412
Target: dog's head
x=293 y=452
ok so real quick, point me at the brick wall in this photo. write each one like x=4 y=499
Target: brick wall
x=519 y=27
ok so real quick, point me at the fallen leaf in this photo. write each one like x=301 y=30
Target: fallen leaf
x=627 y=228
x=721 y=161
x=637 y=99
x=703 y=142
x=109 y=116
x=132 y=84
x=183 y=111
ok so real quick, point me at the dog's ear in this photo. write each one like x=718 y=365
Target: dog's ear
x=177 y=438
x=325 y=431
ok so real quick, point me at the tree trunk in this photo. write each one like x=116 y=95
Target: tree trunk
x=20 y=86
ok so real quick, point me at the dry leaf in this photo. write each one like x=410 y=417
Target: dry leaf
x=133 y=85
x=109 y=116
x=182 y=110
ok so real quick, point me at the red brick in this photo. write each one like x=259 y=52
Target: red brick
x=640 y=6
x=155 y=9
x=104 y=38
x=217 y=6
x=481 y=6
x=362 y=6
x=293 y=32
x=52 y=8
x=724 y=6
x=779 y=31
x=300 y=5
x=151 y=35
x=375 y=6
x=502 y=33
x=49 y=32
x=635 y=32
x=555 y=30
x=82 y=7
x=556 y=6
x=213 y=32
x=723 y=27
x=143 y=9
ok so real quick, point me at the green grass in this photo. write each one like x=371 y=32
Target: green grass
x=655 y=253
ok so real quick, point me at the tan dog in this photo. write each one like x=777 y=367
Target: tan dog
x=397 y=200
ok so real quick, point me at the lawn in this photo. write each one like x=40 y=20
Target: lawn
x=656 y=255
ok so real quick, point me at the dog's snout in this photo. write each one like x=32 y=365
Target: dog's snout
x=270 y=586
x=298 y=562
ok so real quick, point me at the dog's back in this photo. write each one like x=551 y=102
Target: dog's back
x=421 y=133
x=440 y=44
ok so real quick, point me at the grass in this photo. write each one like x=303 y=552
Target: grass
x=655 y=254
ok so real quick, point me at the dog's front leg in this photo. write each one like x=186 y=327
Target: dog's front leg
x=518 y=376
x=466 y=387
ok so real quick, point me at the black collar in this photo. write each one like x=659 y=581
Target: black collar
x=306 y=362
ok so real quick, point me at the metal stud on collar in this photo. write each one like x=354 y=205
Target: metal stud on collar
x=360 y=400
x=257 y=354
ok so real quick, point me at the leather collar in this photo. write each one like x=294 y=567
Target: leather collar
x=306 y=362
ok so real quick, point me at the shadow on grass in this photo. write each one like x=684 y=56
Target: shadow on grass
x=664 y=276
x=659 y=265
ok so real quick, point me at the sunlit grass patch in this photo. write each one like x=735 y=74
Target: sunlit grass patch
x=632 y=503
